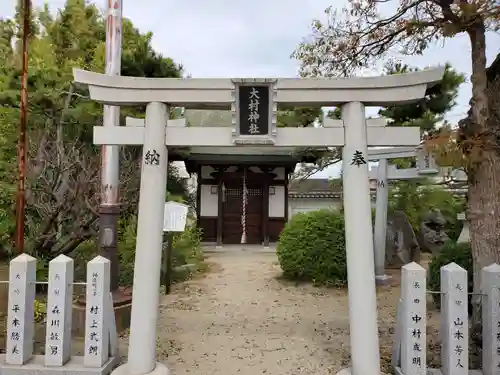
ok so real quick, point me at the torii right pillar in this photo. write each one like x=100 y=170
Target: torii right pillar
x=365 y=352
x=365 y=349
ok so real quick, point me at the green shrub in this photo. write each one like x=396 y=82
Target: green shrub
x=186 y=249
x=416 y=200
x=187 y=246
x=83 y=254
x=40 y=311
x=126 y=250
x=312 y=248
x=451 y=252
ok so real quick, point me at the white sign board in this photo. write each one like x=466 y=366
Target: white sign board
x=174 y=217
x=425 y=162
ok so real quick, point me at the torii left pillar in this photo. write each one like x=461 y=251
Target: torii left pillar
x=146 y=289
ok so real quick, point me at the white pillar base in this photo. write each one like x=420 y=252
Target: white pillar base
x=160 y=369
x=382 y=279
x=348 y=371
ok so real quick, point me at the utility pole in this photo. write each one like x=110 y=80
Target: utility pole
x=109 y=209
x=21 y=149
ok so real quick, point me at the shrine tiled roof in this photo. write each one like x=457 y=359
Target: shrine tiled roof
x=316 y=188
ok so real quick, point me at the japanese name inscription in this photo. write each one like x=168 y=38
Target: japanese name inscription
x=20 y=324
x=455 y=319
x=57 y=322
x=59 y=311
x=413 y=351
x=16 y=323
x=254 y=109
x=416 y=332
x=96 y=332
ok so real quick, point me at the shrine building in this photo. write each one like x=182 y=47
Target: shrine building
x=247 y=183
x=243 y=163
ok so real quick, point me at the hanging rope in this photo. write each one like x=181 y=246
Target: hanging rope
x=244 y=209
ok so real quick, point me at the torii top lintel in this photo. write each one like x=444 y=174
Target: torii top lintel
x=219 y=93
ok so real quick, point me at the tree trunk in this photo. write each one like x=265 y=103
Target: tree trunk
x=484 y=179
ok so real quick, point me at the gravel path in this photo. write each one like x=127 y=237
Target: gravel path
x=241 y=318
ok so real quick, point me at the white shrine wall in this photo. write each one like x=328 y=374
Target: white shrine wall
x=298 y=205
x=209 y=201
x=276 y=202
x=209 y=197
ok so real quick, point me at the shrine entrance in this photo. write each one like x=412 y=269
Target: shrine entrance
x=242 y=190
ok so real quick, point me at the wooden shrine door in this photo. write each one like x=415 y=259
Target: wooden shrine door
x=232 y=208
x=232 y=203
x=254 y=214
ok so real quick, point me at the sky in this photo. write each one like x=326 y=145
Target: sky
x=255 y=38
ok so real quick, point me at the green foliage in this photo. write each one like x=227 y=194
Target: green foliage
x=425 y=113
x=460 y=254
x=126 y=250
x=415 y=200
x=40 y=311
x=438 y=100
x=186 y=249
x=187 y=246
x=176 y=186
x=299 y=117
x=60 y=41
x=335 y=114
x=312 y=248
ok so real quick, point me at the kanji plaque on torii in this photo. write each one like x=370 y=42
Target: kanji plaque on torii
x=253 y=114
x=254 y=111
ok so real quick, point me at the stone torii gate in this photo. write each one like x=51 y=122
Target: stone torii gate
x=351 y=133
x=384 y=172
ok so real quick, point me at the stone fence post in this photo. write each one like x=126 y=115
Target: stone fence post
x=409 y=349
x=413 y=335
x=454 y=321
x=20 y=317
x=59 y=311
x=100 y=355
x=490 y=287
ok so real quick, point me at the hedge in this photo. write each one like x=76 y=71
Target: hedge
x=312 y=248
